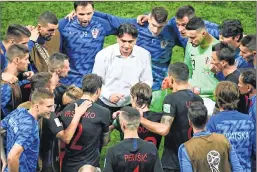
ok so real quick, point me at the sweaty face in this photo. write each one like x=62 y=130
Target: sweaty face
x=154 y=27
x=84 y=14
x=23 y=63
x=195 y=37
x=126 y=43
x=47 y=31
x=247 y=54
x=215 y=62
x=45 y=108
x=181 y=25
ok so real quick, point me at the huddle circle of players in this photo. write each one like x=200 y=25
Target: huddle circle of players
x=63 y=93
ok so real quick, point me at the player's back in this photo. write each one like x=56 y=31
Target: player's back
x=177 y=105
x=147 y=135
x=84 y=146
x=132 y=154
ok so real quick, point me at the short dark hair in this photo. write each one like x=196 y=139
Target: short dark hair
x=91 y=83
x=186 y=10
x=17 y=31
x=225 y=52
x=82 y=3
x=160 y=14
x=40 y=80
x=231 y=28
x=179 y=71
x=127 y=28
x=131 y=116
x=198 y=114
x=56 y=61
x=227 y=95
x=39 y=94
x=195 y=23
x=143 y=94
x=47 y=17
x=249 y=77
x=249 y=41
x=17 y=50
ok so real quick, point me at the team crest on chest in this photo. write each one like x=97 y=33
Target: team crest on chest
x=207 y=60
x=95 y=32
x=164 y=43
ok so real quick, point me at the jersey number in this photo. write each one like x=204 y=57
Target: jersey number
x=73 y=144
x=193 y=64
x=151 y=139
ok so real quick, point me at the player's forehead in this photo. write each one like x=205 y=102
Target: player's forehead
x=182 y=21
x=127 y=37
x=192 y=33
x=152 y=21
x=84 y=9
x=244 y=49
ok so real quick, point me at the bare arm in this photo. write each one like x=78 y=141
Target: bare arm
x=13 y=158
x=106 y=138
x=67 y=134
x=162 y=128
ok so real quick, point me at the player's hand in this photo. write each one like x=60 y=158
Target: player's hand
x=34 y=33
x=114 y=98
x=115 y=114
x=212 y=68
x=28 y=74
x=9 y=78
x=141 y=19
x=166 y=83
x=195 y=90
x=71 y=15
x=81 y=109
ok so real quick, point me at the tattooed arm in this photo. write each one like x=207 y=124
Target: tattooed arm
x=161 y=128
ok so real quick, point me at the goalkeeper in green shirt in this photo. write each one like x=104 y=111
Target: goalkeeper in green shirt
x=198 y=55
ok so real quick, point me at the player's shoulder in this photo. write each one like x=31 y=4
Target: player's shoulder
x=62 y=23
x=100 y=109
x=149 y=146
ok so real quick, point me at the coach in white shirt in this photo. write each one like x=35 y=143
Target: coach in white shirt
x=122 y=65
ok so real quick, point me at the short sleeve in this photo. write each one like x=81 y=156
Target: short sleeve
x=169 y=107
x=54 y=124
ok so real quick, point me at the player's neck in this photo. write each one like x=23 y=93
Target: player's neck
x=181 y=86
x=197 y=130
x=12 y=69
x=130 y=134
x=253 y=93
x=88 y=97
x=206 y=41
x=33 y=112
x=228 y=70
